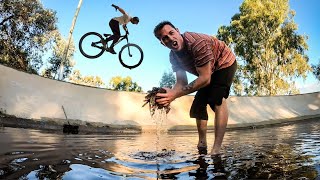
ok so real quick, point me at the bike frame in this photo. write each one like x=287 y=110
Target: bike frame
x=106 y=42
x=121 y=39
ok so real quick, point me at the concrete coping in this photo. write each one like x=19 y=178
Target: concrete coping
x=56 y=124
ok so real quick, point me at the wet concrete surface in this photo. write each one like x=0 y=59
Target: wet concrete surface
x=286 y=151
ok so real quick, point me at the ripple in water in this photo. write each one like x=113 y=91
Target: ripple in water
x=285 y=152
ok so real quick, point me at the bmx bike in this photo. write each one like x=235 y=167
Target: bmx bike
x=93 y=45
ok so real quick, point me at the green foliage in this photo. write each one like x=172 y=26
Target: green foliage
x=269 y=50
x=167 y=79
x=77 y=78
x=316 y=70
x=124 y=84
x=25 y=30
x=52 y=71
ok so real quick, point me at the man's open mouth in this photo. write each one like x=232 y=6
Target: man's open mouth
x=174 y=43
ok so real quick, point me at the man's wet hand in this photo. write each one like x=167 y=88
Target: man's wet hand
x=165 y=98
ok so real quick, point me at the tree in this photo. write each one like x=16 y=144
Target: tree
x=57 y=56
x=271 y=53
x=77 y=78
x=167 y=79
x=25 y=30
x=316 y=70
x=124 y=84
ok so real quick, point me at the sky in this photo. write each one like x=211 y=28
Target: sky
x=203 y=16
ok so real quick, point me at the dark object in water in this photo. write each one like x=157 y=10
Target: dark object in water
x=151 y=99
x=67 y=128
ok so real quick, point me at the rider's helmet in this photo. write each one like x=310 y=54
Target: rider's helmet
x=135 y=20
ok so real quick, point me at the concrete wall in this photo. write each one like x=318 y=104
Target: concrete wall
x=34 y=97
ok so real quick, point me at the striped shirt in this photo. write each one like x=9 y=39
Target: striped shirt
x=199 y=50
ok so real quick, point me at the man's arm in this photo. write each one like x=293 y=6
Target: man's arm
x=202 y=81
x=182 y=81
x=182 y=87
x=119 y=8
x=125 y=28
x=172 y=94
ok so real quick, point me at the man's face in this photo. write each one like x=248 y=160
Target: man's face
x=134 y=22
x=171 y=38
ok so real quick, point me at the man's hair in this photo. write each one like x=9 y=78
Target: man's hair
x=136 y=19
x=160 y=26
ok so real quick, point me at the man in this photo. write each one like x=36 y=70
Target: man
x=214 y=64
x=114 y=24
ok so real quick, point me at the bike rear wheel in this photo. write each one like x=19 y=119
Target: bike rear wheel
x=130 y=56
x=92 y=45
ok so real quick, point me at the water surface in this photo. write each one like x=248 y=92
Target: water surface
x=287 y=151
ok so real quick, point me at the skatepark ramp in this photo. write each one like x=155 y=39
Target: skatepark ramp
x=33 y=97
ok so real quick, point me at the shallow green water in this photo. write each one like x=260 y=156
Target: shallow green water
x=289 y=151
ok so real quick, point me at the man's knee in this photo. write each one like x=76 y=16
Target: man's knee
x=202 y=124
x=116 y=36
x=223 y=105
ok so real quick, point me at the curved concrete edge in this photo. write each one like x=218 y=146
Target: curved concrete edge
x=97 y=128
x=57 y=125
x=255 y=125
x=33 y=97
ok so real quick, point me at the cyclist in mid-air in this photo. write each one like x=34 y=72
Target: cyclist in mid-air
x=114 y=24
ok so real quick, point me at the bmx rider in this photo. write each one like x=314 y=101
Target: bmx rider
x=115 y=23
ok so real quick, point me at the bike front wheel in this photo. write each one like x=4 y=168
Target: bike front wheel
x=92 y=45
x=130 y=56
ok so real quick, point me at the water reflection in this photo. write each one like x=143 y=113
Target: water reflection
x=290 y=151
x=210 y=167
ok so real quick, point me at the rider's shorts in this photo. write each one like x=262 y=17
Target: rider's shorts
x=114 y=25
x=212 y=94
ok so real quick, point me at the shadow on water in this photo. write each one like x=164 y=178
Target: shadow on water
x=288 y=151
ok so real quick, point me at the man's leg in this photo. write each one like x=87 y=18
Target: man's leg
x=114 y=25
x=115 y=39
x=220 y=123
x=198 y=111
x=202 y=131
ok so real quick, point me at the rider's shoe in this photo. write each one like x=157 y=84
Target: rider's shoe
x=111 y=50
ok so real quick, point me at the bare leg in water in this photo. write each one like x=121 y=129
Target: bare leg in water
x=220 y=125
x=202 y=132
x=221 y=121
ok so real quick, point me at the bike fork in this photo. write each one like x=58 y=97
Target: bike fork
x=129 y=51
x=130 y=55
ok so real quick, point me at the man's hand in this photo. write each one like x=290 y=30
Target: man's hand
x=115 y=6
x=166 y=98
x=125 y=28
x=118 y=8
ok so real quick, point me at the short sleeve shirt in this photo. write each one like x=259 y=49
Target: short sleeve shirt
x=199 y=50
x=124 y=19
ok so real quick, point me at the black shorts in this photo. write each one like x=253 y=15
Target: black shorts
x=114 y=25
x=212 y=94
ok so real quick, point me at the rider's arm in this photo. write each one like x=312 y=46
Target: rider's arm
x=119 y=8
x=125 y=28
